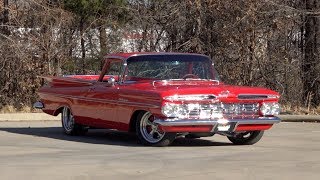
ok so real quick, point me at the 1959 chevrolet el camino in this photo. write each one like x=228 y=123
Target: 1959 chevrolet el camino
x=160 y=96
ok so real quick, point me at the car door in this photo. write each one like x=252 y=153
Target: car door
x=101 y=98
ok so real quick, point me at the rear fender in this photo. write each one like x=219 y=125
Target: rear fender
x=60 y=108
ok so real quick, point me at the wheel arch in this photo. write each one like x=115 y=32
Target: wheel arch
x=60 y=108
x=133 y=120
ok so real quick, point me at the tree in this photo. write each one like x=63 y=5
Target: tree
x=311 y=61
x=5 y=20
x=91 y=14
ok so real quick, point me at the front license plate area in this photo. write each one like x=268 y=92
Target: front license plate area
x=224 y=127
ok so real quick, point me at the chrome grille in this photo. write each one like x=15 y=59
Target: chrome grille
x=240 y=110
x=221 y=110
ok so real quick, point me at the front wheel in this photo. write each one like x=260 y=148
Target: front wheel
x=149 y=133
x=246 y=138
x=69 y=125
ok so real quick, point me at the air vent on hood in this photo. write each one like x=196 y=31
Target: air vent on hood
x=253 y=96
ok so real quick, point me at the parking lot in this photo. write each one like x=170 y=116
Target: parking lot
x=39 y=150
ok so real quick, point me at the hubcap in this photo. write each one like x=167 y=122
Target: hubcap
x=67 y=119
x=149 y=130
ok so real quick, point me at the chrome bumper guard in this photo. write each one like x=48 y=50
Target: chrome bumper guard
x=214 y=122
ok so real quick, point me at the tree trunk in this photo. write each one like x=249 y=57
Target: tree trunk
x=310 y=65
x=103 y=43
x=83 y=48
x=5 y=24
x=103 y=40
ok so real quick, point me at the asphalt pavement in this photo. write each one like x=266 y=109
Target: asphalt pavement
x=39 y=150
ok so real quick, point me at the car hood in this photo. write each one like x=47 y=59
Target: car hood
x=169 y=88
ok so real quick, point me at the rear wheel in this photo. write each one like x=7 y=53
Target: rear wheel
x=246 y=138
x=69 y=125
x=149 y=133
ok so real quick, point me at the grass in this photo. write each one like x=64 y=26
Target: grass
x=24 y=109
x=297 y=110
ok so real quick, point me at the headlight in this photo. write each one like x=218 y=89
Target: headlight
x=174 y=110
x=197 y=111
x=270 y=108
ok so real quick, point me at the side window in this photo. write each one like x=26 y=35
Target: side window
x=114 y=69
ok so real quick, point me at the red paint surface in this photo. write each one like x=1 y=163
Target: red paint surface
x=253 y=127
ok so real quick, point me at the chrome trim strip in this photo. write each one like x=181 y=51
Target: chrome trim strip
x=191 y=122
x=193 y=97
x=183 y=80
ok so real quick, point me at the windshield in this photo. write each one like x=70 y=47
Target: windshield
x=170 y=67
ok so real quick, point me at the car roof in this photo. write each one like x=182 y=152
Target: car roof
x=125 y=56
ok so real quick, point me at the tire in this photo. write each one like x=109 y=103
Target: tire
x=148 y=132
x=69 y=125
x=247 y=138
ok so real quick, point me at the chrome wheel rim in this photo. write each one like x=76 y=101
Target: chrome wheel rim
x=67 y=119
x=149 y=130
x=245 y=135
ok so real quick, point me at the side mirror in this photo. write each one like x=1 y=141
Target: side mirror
x=111 y=81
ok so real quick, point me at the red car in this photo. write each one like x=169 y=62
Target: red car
x=160 y=96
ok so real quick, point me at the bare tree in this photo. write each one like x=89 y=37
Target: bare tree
x=311 y=60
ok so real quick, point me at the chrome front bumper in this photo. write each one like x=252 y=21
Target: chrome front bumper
x=195 y=122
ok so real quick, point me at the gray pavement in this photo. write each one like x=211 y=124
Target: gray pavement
x=28 y=117
x=299 y=118
x=39 y=150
